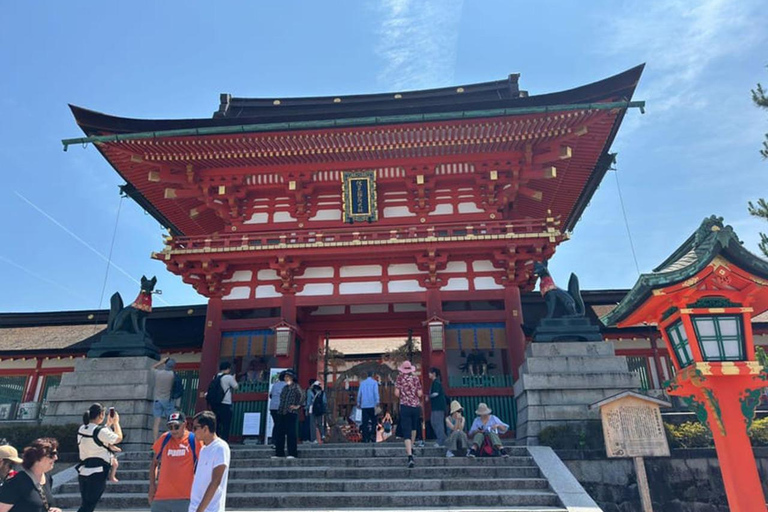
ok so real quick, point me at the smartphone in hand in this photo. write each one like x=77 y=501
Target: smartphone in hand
x=111 y=412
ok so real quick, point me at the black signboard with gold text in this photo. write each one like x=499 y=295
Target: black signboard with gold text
x=359 y=193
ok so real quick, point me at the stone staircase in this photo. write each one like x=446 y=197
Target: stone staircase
x=353 y=477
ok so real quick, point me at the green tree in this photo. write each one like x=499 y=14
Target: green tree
x=761 y=208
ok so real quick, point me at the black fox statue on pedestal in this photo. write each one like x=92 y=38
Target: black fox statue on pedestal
x=566 y=315
x=126 y=333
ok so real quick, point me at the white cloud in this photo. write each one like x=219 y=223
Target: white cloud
x=418 y=42
x=681 y=39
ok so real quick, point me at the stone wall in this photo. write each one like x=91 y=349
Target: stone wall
x=688 y=481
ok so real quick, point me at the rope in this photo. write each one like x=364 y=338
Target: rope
x=109 y=256
x=626 y=222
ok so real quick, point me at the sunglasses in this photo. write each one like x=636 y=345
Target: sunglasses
x=174 y=426
x=53 y=454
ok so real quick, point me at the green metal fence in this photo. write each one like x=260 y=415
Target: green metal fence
x=51 y=383
x=12 y=388
x=190 y=379
x=252 y=387
x=480 y=381
x=240 y=408
x=502 y=406
x=639 y=365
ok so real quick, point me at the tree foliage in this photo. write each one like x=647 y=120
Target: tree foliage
x=760 y=209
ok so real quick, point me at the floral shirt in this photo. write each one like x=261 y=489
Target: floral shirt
x=290 y=395
x=409 y=386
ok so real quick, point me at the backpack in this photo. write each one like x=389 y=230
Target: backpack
x=318 y=404
x=96 y=440
x=177 y=391
x=215 y=394
x=192 y=446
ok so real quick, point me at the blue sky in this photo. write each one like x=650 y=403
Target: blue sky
x=694 y=153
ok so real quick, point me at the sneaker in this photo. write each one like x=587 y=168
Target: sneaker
x=411 y=464
x=471 y=454
x=290 y=457
x=503 y=452
x=419 y=444
x=436 y=445
x=449 y=454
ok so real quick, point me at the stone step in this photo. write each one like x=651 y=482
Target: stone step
x=335 y=451
x=591 y=381
x=313 y=501
x=423 y=472
x=143 y=465
x=323 y=485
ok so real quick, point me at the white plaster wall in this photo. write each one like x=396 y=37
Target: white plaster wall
x=316 y=272
x=361 y=287
x=483 y=266
x=400 y=269
x=267 y=275
x=410 y=285
x=442 y=209
x=456 y=283
x=360 y=271
x=314 y=289
x=487 y=283
x=455 y=266
x=283 y=217
x=239 y=275
x=266 y=291
x=469 y=208
x=326 y=215
x=238 y=292
x=391 y=212
x=258 y=218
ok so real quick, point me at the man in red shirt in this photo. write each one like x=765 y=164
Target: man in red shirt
x=173 y=467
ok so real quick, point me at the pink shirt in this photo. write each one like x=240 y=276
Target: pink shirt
x=409 y=386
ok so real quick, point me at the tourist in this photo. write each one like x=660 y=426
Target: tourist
x=95 y=442
x=30 y=489
x=9 y=457
x=367 y=400
x=457 y=441
x=317 y=404
x=437 y=403
x=163 y=405
x=485 y=432
x=221 y=403
x=175 y=455
x=291 y=400
x=408 y=390
x=384 y=428
x=209 y=486
x=274 y=401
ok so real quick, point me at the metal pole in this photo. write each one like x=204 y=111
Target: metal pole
x=325 y=379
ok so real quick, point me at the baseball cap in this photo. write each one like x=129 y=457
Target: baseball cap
x=170 y=364
x=177 y=417
x=8 y=452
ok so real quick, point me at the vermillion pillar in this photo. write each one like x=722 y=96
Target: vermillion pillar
x=724 y=396
x=513 y=311
x=209 y=358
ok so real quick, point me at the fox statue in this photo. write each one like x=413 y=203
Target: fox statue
x=570 y=303
x=132 y=319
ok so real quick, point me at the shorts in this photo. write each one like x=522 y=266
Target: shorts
x=170 y=506
x=163 y=408
x=409 y=419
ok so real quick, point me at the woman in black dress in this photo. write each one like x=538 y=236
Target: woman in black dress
x=30 y=489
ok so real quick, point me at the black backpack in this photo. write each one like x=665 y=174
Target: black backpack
x=318 y=405
x=178 y=387
x=215 y=394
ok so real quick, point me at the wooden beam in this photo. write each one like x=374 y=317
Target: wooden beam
x=536 y=195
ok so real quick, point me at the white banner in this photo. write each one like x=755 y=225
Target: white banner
x=273 y=377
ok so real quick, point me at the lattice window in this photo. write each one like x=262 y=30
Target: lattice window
x=680 y=344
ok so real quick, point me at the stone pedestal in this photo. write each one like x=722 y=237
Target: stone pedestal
x=125 y=383
x=559 y=380
x=123 y=344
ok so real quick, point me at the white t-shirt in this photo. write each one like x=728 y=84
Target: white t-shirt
x=228 y=382
x=211 y=456
x=89 y=449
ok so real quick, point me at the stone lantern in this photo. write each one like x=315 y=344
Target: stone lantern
x=702 y=299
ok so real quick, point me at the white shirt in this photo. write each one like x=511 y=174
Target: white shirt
x=89 y=449
x=228 y=382
x=211 y=456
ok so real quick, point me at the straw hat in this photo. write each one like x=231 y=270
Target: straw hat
x=456 y=406
x=482 y=409
x=8 y=452
x=406 y=367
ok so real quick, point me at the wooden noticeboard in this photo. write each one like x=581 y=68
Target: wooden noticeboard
x=632 y=427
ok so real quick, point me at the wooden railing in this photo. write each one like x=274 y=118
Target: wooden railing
x=365 y=235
